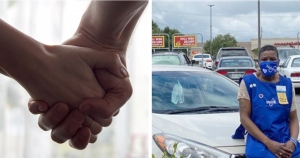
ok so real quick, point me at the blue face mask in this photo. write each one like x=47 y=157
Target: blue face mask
x=268 y=68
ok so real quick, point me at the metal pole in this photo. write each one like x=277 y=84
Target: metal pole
x=210 y=30
x=298 y=39
x=259 y=39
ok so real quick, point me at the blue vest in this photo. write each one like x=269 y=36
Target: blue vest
x=271 y=117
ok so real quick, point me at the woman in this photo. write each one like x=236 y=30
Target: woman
x=268 y=110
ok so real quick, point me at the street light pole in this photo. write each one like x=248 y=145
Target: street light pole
x=298 y=39
x=210 y=30
x=259 y=39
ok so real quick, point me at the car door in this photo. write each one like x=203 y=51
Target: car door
x=282 y=69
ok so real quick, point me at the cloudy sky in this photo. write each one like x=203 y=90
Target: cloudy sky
x=279 y=18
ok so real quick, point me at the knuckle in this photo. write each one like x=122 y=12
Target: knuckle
x=57 y=139
x=106 y=123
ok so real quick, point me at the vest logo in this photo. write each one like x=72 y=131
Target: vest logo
x=252 y=85
x=272 y=102
x=260 y=95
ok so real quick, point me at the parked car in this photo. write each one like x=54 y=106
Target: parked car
x=291 y=69
x=285 y=52
x=235 y=67
x=170 y=58
x=230 y=51
x=196 y=108
x=204 y=59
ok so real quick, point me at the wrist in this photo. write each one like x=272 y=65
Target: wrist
x=294 y=141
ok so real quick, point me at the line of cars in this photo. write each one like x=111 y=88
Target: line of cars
x=197 y=108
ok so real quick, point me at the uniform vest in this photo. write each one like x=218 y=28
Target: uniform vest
x=271 y=105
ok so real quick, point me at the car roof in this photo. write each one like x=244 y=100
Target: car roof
x=168 y=53
x=233 y=48
x=284 y=48
x=178 y=68
x=236 y=57
x=295 y=56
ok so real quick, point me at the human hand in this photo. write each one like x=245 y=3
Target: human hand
x=279 y=149
x=65 y=127
x=289 y=144
x=65 y=73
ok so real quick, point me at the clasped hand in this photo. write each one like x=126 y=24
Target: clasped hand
x=79 y=90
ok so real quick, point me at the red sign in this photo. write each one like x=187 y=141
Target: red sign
x=158 y=41
x=193 y=52
x=287 y=43
x=185 y=41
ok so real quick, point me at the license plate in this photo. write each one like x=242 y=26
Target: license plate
x=236 y=75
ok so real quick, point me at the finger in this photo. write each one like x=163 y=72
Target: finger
x=37 y=107
x=93 y=138
x=103 y=122
x=117 y=113
x=108 y=106
x=93 y=125
x=53 y=116
x=68 y=127
x=81 y=138
x=111 y=61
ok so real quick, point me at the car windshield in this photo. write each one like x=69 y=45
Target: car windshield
x=200 y=56
x=165 y=60
x=284 y=53
x=236 y=63
x=296 y=62
x=183 y=90
x=233 y=52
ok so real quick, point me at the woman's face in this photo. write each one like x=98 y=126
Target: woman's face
x=268 y=55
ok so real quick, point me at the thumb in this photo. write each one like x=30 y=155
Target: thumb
x=105 y=60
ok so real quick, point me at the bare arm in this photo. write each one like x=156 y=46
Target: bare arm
x=245 y=113
x=294 y=124
x=109 y=25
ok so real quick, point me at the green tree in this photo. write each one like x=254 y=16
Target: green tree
x=255 y=51
x=218 y=42
x=155 y=28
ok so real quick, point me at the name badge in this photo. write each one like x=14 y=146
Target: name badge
x=281 y=94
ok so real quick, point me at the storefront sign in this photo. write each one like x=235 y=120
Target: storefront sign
x=158 y=41
x=287 y=43
x=185 y=41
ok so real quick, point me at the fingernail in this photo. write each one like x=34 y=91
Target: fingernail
x=62 y=109
x=84 y=133
x=87 y=109
x=124 y=72
x=41 y=108
x=77 y=116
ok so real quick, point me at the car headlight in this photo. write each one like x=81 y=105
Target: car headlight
x=186 y=148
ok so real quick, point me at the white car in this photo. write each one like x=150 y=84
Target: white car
x=196 y=108
x=207 y=61
x=291 y=69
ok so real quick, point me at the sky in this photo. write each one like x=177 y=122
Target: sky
x=278 y=18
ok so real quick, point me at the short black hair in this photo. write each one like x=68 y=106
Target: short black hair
x=266 y=48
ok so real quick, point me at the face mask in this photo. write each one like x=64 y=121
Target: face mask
x=268 y=68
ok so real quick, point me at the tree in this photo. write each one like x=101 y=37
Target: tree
x=155 y=28
x=255 y=51
x=218 y=42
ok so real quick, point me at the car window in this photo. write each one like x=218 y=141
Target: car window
x=165 y=60
x=232 y=52
x=296 y=62
x=236 y=63
x=286 y=62
x=284 y=53
x=200 y=56
x=173 y=90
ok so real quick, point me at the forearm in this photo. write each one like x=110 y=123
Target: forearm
x=294 y=125
x=17 y=51
x=254 y=130
x=111 y=22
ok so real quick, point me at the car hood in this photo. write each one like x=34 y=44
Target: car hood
x=211 y=129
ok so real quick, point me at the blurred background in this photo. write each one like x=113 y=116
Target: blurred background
x=52 y=22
